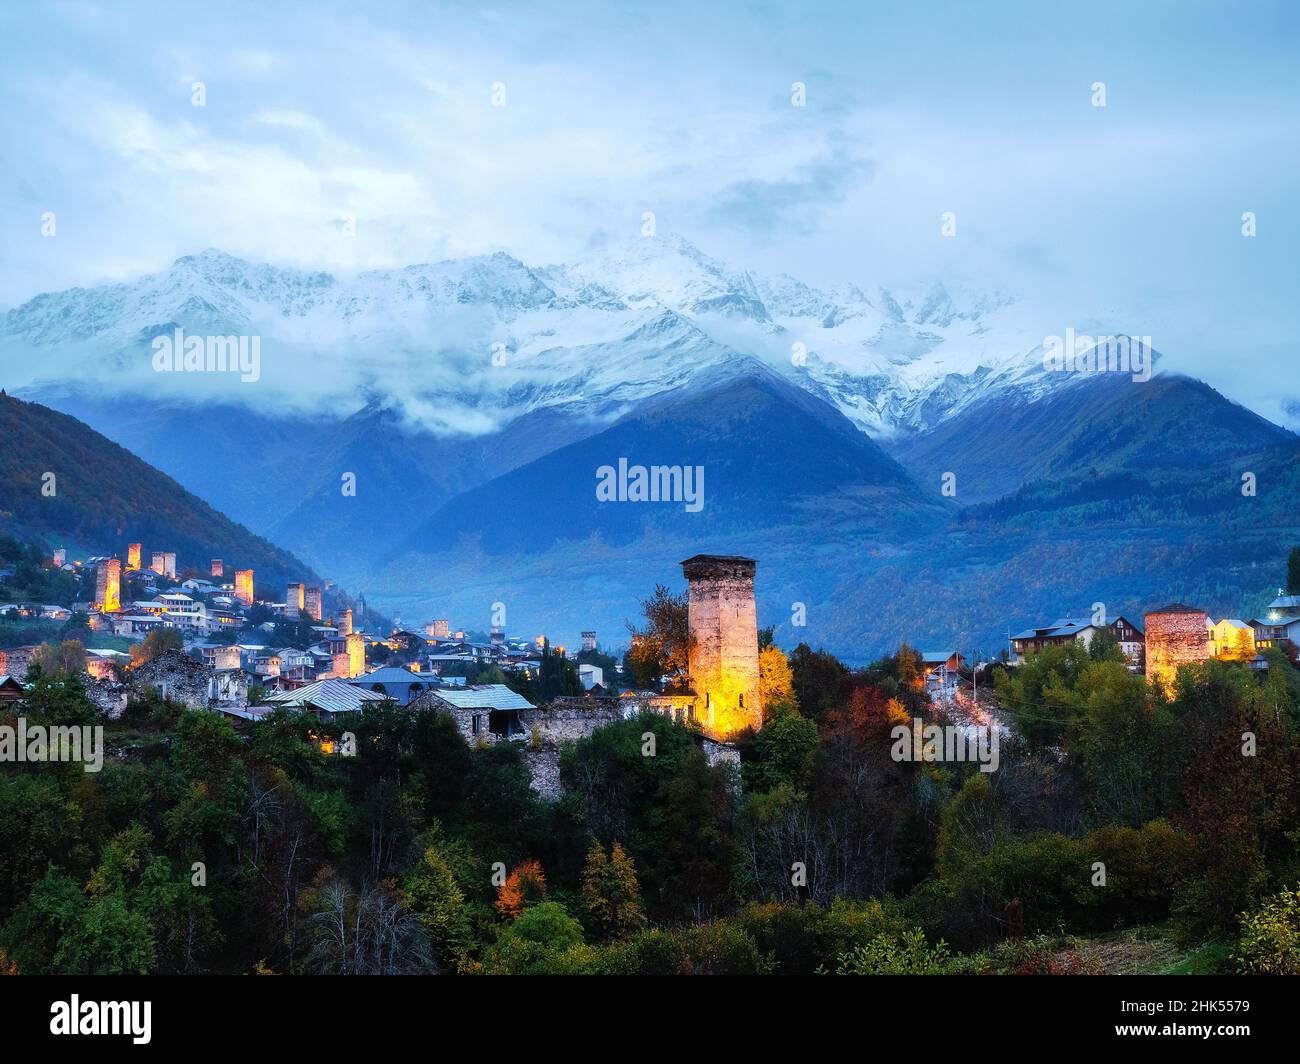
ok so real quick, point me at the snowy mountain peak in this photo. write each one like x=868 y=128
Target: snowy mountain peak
x=629 y=321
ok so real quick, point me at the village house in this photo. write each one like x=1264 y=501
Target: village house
x=136 y=625
x=1075 y=629
x=326 y=698
x=592 y=677
x=483 y=713
x=11 y=690
x=103 y=664
x=941 y=668
x=1233 y=639
x=44 y=611
x=228 y=687
x=1280 y=624
x=175 y=676
x=401 y=685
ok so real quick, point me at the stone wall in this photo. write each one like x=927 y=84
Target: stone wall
x=14 y=662
x=569 y=719
x=176 y=676
x=108 y=694
x=228 y=687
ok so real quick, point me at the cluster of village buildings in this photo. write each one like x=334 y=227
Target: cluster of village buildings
x=1169 y=636
x=336 y=673
x=249 y=678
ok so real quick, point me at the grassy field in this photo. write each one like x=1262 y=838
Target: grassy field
x=1147 y=951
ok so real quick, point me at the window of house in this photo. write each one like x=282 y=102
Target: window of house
x=473 y=724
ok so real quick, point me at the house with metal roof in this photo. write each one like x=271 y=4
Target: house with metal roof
x=1272 y=630
x=1130 y=637
x=484 y=713
x=401 y=685
x=326 y=698
x=1284 y=606
x=941 y=667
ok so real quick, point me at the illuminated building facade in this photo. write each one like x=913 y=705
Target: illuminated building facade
x=244 y=586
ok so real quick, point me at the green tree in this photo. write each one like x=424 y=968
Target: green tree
x=660 y=650
x=156 y=643
x=819 y=680
x=782 y=751
x=435 y=895
x=611 y=893
x=545 y=940
x=59 y=661
x=1104 y=645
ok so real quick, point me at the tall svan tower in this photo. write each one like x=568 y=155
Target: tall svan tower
x=723 y=662
x=108 y=586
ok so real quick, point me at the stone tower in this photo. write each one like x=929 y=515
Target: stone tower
x=724 y=654
x=294 y=595
x=133 y=556
x=244 y=586
x=313 y=603
x=108 y=586
x=1176 y=635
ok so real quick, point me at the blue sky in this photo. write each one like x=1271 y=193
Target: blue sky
x=384 y=112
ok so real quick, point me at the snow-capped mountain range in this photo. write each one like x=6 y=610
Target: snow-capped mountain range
x=467 y=345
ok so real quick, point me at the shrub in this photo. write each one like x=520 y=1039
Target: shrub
x=1270 y=937
x=905 y=954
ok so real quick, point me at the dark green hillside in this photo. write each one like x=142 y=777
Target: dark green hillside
x=106 y=497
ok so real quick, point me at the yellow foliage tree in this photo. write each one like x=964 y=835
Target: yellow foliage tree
x=775 y=680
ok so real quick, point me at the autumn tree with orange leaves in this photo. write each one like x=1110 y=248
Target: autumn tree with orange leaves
x=524 y=886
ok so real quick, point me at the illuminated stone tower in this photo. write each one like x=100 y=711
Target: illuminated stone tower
x=588 y=641
x=345 y=622
x=312 y=600
x=356 y=644
x=244 y=586
x=108 y=586
x=158 y=562
x=724 y=654
x=133 y=556
x=293 y=599
x=218 y=569
x=1176 y=635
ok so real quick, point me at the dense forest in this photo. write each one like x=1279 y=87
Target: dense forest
x=61 y=479
x=1114 y=812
